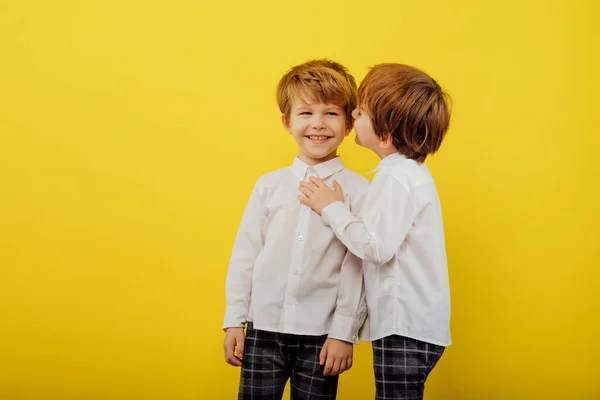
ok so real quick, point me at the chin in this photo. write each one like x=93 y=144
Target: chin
x=321 y=156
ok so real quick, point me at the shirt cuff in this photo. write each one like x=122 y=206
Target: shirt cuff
x=336 y=215
x=346 y=328
x=234 y=318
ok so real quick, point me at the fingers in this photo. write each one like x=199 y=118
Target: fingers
x=234 y=343
x=336 y=366
x=317 y=186
x=240 y=348
x=316 y=181
x=338 y=356
x=226 y=351
x=328 y=366
x=307 y=185
x=323 y=354
x=305 y=190
x=231 y=359
x=337 y=187
x=343 y=365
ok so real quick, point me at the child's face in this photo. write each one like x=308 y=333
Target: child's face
x=318 y=129
x=365 y=135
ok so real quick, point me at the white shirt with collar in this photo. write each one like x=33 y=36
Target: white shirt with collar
x=400 y=237
x=288 y=272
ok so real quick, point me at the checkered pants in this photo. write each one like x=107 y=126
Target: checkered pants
x=401 y=367
x=270 y=359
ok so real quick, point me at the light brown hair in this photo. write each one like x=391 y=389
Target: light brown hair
x=318 y=81
x=406 y=103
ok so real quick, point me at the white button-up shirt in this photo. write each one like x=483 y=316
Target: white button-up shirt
x=400 y=237
x=288 y=272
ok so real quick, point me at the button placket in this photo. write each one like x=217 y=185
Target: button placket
x=294 y=272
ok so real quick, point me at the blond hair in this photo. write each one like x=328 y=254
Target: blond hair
x=318 y=81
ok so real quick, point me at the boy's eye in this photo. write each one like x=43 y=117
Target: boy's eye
x=332 y=113
x=305 y=113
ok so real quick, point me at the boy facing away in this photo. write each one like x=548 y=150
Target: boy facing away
x=403 y=116
x=290 y=279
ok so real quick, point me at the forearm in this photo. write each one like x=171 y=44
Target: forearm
x=363 y=242
x=351 y=309
x=238 y=293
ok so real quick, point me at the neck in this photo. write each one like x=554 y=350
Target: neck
x=383 y=153
x=315 y=161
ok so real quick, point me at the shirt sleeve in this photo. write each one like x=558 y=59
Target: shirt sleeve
x=378 y=232
x=351 y=307
x=248 y=244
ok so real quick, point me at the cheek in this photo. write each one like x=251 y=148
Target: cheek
x=299 y=126
x=357 y=127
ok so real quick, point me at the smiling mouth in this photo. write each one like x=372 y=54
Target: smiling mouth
x=318 y=138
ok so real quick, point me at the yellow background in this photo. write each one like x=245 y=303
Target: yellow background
x=131 y=133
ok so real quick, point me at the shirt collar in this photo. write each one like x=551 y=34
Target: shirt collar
x=387 y=161
x=323 y=170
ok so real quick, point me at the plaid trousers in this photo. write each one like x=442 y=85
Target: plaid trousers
x=401 y=367
x=270 y=359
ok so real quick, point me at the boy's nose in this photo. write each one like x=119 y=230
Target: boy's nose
x=319 y=122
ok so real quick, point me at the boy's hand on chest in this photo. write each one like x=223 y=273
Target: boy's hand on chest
x=317 y=195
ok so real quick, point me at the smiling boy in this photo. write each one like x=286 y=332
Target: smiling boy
x=290 y=279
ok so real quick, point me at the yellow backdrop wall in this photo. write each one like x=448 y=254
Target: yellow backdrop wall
x=132 y=132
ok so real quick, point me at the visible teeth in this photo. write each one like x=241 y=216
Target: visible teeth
x=317 y=137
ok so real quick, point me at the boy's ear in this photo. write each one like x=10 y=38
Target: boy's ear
x=286 y=123
x=386 y=141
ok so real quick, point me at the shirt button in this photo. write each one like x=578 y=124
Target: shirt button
x=300 y=238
